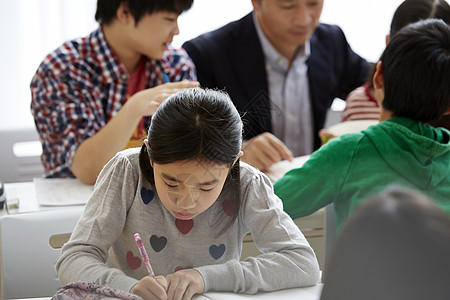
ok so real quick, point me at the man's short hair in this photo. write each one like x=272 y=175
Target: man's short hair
x=416 y=70
x=107 y=9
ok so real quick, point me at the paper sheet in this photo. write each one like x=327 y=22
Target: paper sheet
x=277 y=170
x=61 y=191
x=351 y=126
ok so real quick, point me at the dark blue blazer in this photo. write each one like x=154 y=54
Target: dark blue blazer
x=231 y=59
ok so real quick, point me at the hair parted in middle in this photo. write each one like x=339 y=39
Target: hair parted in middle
x=196 y=124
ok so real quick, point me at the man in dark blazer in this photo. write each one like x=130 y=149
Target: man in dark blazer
x=233 y=58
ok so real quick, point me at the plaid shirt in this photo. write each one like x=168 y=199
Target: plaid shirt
x=80 y=86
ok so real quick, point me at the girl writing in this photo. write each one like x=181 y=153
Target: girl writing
x=192 y=202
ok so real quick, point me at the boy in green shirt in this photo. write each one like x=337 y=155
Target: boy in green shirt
x=411 y=83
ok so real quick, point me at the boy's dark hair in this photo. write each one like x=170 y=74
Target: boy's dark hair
x=107 y=9
x=197 y=124
x=411 y=11
x=399 y=233
x=416 y=68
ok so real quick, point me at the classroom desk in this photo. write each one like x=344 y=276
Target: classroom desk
x=27 y=197
x=306 y=293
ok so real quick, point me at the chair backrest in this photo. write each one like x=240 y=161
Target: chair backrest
x=20 y=152
x=27 y=258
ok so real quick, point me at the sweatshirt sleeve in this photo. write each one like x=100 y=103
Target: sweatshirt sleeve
x=287 y=259
x=318 y=182
x=84 y=256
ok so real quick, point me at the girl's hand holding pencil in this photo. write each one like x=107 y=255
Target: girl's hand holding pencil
x=149 y=287
x=179 y=285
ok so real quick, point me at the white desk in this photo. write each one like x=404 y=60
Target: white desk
x=27 y=195
x=307 y=293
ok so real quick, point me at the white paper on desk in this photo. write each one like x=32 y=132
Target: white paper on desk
x=307 y=293
x=61 y=191
x=351 y=126
x=277 y=170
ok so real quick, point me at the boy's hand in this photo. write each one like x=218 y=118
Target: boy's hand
x=150 y=288
x=182 y=285
x=147 y=101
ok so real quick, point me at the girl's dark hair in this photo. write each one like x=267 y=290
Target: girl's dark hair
x=107 y=9
x=196 y=124
x=415 y=63
x=411 y=11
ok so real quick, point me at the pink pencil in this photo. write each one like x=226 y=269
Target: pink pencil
x=144 y=254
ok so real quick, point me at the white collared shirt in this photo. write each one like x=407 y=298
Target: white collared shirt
x=292 y=119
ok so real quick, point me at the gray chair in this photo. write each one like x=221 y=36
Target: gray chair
x=20 y=152
x=30 y=246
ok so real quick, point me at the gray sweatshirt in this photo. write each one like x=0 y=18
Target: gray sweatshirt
x=102 y=246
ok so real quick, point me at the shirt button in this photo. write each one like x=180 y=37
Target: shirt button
x=124 y=76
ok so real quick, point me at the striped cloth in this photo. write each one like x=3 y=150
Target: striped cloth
x=361 y=105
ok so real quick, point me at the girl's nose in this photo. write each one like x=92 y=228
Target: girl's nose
x=187 y=201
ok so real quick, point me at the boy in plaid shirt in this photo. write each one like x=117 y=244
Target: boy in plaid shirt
x=94 y=96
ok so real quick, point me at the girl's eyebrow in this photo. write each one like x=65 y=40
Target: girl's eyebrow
x=170 y=178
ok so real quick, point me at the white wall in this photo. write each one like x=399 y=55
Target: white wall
x=32 y=28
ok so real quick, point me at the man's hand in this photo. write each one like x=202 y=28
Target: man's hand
x=263 y=150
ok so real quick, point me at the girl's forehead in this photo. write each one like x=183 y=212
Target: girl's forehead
x=198 y=170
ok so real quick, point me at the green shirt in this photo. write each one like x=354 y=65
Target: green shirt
x=353 y=167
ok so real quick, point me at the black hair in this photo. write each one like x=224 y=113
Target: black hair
x=416 y=68
x=395 y=245
x=197 y=124
x=107 y=9
x=411 y=11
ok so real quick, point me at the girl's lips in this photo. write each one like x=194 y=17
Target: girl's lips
x=183 y=216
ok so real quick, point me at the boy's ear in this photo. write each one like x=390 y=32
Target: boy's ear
x=378 y=80
x=123 y=12
x=378 y=83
